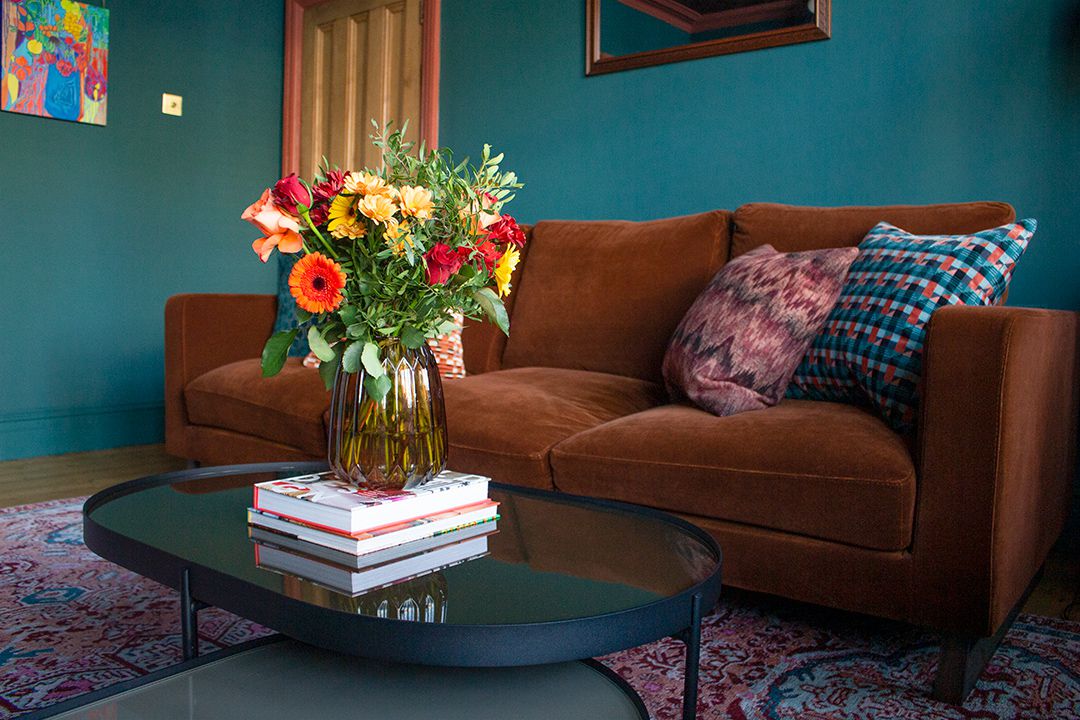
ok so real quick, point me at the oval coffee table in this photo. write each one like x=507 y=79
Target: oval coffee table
x=565 y=577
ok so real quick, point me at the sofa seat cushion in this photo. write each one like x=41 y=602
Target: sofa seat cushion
x=503 y=424
x=286 y=408
x=818 y=469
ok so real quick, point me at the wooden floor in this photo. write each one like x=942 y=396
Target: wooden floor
x=63 y=476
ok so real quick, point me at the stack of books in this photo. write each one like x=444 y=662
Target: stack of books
x=354 y=539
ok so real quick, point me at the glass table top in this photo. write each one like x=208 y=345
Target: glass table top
x=550 y=558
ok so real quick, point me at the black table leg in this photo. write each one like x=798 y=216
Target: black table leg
x=692 y=638
x=189 y=618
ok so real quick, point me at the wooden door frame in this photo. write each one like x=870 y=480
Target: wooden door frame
x=294 y=57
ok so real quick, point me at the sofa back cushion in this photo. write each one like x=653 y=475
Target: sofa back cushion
x=606 y=296
x=790 y=228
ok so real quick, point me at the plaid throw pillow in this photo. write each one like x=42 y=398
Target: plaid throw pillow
x=871 y=346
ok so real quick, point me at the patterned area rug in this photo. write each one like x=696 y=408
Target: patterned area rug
x=71 y=623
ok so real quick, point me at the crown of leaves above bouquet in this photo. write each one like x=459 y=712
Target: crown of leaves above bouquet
x=389 y=253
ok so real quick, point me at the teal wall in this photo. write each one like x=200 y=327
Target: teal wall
x=100 y=225
x=923 y=101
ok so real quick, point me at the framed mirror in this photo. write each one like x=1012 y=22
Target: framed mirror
x=627 y=34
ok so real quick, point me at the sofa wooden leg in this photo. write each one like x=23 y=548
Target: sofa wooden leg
x=960 y=664
x=963 y=657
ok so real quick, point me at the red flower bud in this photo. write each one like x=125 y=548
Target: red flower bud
x=289 y=192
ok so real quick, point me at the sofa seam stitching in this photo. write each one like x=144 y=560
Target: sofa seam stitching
x=249 y=403
x=997 y=468
x=766 y=528
x=891 y=483
x=541 y=456
x=904 y=537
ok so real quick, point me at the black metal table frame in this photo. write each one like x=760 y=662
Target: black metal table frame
x=678 y=616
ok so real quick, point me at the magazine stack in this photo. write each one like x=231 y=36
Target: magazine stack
x=354 y=539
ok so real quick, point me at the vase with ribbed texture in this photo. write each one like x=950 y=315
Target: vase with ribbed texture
x=398 y=441
x=422 y=599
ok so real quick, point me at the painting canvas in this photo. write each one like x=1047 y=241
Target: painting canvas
x=55 y=59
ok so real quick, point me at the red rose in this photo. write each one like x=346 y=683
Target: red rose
x=442 y=263
x=506 y=231
x=289 y=192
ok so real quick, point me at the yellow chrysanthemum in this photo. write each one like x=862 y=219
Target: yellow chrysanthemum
x=342 y=212
x=395 y=228
x=397 y=237
x=353 y=232
x=400 y=246
x=379 y=208
x=367 y=184
x=416 y=201
x=504 y=269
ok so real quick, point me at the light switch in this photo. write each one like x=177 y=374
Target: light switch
x=172 y=104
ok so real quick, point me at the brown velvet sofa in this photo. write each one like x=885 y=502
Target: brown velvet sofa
x=820 y=502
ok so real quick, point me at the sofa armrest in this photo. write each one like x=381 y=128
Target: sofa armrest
x=997 y=447
x=203 y=332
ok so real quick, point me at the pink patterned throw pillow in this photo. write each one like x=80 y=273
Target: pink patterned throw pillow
x=739 y=344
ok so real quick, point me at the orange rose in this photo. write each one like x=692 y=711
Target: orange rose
x=480 y=213
x=286 y=242
x=268 y=217
x=282 y=231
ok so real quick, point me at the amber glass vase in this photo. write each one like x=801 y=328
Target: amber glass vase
x=396 y=442
x=421 y=599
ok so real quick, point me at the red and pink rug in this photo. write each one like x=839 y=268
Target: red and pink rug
x=71 y=622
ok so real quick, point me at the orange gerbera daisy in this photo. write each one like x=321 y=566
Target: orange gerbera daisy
x=316 y=282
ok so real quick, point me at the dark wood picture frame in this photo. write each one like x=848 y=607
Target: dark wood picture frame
x=596 y=64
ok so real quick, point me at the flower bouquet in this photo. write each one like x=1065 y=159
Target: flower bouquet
x=389 y=257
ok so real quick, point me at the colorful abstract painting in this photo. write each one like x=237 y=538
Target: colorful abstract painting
x=55 y=59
